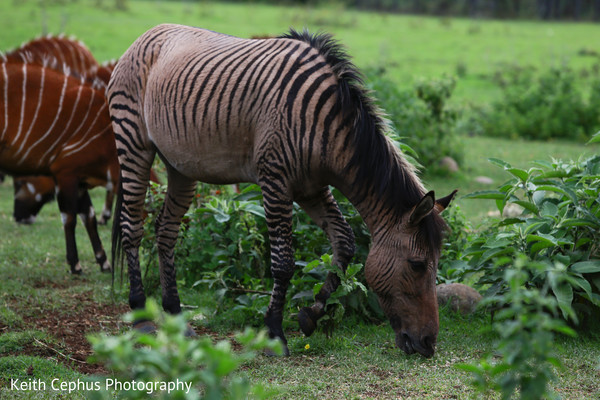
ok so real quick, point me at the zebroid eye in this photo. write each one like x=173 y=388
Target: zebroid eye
x=418 y=265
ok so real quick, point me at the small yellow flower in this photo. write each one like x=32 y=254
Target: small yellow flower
x=307 y=346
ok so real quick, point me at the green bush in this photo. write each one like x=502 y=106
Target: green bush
x=452 y=262
x=551 y=105
x=223 y=246
x=420 y=118
x=559 y=225
x=204 y=369
x=525 y=354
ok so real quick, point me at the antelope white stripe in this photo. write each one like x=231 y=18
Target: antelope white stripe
x=59 y=140
x=56 y=118
x=75 y=147
x=23 y=100
x=36 y=114
x=5 y=99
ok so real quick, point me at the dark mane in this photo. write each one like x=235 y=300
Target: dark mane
x=379 y=167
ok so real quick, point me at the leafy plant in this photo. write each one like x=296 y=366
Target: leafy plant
x=223 y=246
x=452 y=264
x=421 y=117
x=550 y=105
x=205 y=369
x=559 y=222
x=525 y=357
x=351 y=297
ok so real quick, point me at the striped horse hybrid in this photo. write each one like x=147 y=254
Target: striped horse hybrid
x=46 y=118
x=32 y=192
x=291 y=115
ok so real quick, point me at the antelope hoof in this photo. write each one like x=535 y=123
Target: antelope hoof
x=105 y=267
x=307 y=320
x=76 y=269
x=145 y=326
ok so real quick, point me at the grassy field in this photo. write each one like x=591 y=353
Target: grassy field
x=408 y=47
x=518 y=153
x=45 y=312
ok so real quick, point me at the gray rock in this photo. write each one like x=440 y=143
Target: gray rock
x=448 y=164
x=459 y=297
x=484 y=180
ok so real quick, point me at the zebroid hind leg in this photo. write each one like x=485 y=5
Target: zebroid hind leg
x=180 y=193
x=325 y=212
x=129 y=221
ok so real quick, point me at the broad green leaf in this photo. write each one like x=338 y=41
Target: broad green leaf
x=562 y=190
x=564 y=296
x=549 y=209
x=542 y=237
x=519 y=173
x=595 y=138
x=500 y=204
x=535 y=224
x=586 y=267
x=528 y=206
x=540 y=246
x=539 y=196
x=577 y=281
x=486 y=194
x=511 y=221
x=500 y=163
x=542 y=163
x=255 y=209
x=577 y=222
x=498 y=241
x=495 y=252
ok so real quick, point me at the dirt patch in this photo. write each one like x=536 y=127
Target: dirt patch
x=70 y=326
x=45 y=284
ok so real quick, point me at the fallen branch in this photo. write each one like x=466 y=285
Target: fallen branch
x=58 y=352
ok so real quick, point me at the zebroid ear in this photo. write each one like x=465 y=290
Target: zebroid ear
x=422 y=209
x=444 y=202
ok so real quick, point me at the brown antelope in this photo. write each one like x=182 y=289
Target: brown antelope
x=31 y=193
x=66 y=51
x=47 y=118
x=290 y=114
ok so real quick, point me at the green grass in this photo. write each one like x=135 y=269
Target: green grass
x=30 y=369
x=408 y=47
x=360 y=362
